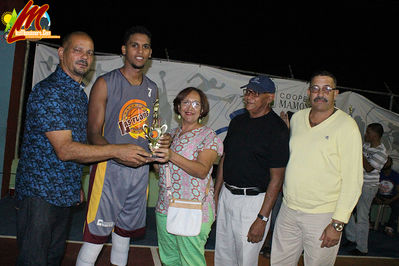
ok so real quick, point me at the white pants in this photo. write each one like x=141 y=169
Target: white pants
x=235 y=215
x=297 y=231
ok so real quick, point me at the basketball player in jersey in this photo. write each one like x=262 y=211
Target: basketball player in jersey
x=121 y=101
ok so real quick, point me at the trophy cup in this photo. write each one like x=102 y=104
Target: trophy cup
x=155 y=132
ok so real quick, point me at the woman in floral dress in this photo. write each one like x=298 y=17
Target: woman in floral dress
x=193 y=151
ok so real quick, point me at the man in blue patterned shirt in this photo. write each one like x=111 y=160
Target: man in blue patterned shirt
x=54 y=146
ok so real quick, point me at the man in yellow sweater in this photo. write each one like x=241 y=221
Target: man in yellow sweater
x=323 y=179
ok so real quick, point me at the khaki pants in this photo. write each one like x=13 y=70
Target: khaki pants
x=297 y=231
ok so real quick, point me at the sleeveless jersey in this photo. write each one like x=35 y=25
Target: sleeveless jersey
x=128 y=108
x=117 y=192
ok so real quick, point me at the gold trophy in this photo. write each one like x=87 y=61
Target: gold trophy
x=155 y=132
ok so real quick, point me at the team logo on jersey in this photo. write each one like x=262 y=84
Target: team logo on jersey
x=132 y=117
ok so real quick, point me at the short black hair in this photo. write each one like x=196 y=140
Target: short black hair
x=323 y=73
x=134 y=30
x=377 y=128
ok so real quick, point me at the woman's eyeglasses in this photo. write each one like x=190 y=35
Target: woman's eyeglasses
x=194 y=104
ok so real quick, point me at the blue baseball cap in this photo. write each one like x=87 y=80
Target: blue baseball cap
x=261 y=84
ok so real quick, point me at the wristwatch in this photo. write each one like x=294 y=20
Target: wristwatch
x=263 y=218
x=338 y=226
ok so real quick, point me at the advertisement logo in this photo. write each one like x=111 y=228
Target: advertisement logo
x=32 y=22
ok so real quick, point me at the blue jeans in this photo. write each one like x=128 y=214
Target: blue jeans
x=358 y=231
x=41 y=232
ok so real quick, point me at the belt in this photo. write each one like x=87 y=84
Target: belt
x=253 y=191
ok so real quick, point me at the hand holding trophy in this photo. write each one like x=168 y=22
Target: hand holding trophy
x=155 y=131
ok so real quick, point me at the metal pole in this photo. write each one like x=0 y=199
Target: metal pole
x=291 y=73
x=391 y=103
x=167 y=54
x=391 y=98
x=21 y=99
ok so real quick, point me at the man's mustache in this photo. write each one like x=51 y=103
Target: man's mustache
x=83 y=62
x=245 y=101
x=318 y=98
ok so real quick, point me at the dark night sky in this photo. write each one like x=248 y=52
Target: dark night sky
x=357 y=41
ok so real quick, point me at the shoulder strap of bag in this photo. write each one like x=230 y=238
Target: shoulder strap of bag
x=168 y=182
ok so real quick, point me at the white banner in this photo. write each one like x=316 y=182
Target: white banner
x=224 y=93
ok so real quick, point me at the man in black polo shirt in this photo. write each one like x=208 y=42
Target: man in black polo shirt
x=250 y=175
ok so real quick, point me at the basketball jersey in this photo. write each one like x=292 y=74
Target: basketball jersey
x=128 y=108
x=117 y=192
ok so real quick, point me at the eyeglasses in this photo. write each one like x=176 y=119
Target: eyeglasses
x=248 y=92
x=194 y=104
x=315 y=89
